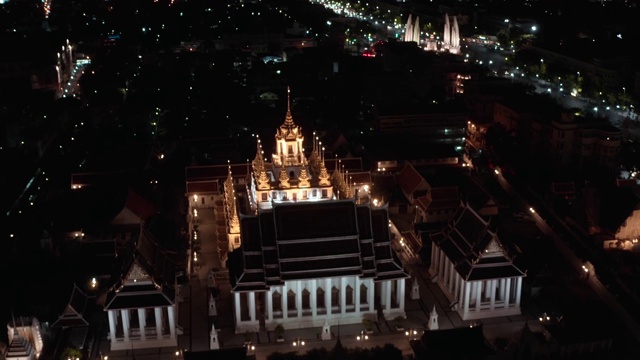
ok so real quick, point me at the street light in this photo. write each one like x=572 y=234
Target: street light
x=363 y=336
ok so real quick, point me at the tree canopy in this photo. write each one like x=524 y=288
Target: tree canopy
x=386 y=352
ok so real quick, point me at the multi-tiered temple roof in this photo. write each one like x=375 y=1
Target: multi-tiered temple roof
x=474 y=248
x=316 y=240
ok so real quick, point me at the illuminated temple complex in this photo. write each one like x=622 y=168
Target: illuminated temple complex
x=311 y=249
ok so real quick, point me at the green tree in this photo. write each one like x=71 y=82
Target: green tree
x=71 y=353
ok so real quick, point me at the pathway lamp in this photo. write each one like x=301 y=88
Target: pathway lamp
x=298 y=343
x=363 y=336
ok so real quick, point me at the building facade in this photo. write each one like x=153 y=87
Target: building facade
x=474 y=269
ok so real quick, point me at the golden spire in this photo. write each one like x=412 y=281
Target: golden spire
x=234 y=222
x=288 y=120
x=228 y=184
x=263 y=180
x=323 y=177
x=258 y=159
x=303 y=178
x=284 y=178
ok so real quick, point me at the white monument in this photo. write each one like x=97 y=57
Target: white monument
x=213 y=339
x=415 y=290
x=213 y=311
x=326 y=331
x=433 y=319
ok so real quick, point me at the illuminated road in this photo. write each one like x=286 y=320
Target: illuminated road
x=566 y=243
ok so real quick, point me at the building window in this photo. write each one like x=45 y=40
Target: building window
x=306 y=299
x=349 y=295
x=304 y=194
x=274 y=195
x=264 y=196
x=324 y=193
x=314 y=193
x=291 y=300
x=335 y=297
x=363 y=294
x=320 y=298
x=277 y=301
x=202 y=200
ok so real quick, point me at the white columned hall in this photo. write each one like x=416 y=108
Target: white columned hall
x=351 y=310
x=470 y=292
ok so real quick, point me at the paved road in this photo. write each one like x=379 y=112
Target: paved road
x=587 y=272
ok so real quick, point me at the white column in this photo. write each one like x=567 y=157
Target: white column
x=518 y=290
x=467 y=288
x=456 y=285
x=252 y=305
x=387 y=294
x=158 y=315
x=492 y=285
x=343 y=295
x=400 y=293
x=371 y=294
x=269 y=304
x=507 y=289
x=285 y=302
x=445 y=272
x=473 y=293
x=434 y=258
x=356 y=301
x=142 y=320
x=172 y=321
x=112 y=325
x=451 y=280
x=502 y=286
x=479 y=294
x=487 y=288
x=327 y=295
x=237 y=306
x=299 y=298
x=125 y=323
x=314 y=299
